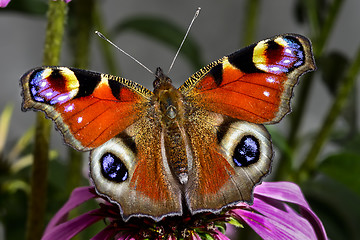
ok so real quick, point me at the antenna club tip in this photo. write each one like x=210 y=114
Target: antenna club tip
x=197 y=12
x=100 y=35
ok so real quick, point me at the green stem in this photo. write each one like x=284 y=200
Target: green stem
x=250 y=21
x=37 y=198
x=309 y=164
x=54 y=32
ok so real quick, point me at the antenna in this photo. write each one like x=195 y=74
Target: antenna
x=187 y=32
x=127 y=54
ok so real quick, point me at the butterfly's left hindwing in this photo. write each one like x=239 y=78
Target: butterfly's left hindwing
x=88 y=108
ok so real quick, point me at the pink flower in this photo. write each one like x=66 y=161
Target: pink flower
x=4 y=3
x=270 y=217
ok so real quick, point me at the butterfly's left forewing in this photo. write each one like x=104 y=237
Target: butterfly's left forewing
x=88 y=108
x=255 y=83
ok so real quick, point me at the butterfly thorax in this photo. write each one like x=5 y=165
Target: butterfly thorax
x=168 y=103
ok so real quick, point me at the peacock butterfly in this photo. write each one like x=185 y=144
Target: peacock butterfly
x=201 y=147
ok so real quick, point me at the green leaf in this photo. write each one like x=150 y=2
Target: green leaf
x=235 y=222
x=4 y=125
x=353 y=144
x=302 y=9
x=336 y=206
x=345 y=168
x=21 y=144
x=208 y=236
x=333 y=68
x=163 y=31
x=300 y=12
x=13 y=185
x=221 y=226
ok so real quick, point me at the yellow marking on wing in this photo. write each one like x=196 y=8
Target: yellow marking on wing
x=71 y=80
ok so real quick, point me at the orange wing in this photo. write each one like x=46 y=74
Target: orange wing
x=253 y=84
x=88 y=108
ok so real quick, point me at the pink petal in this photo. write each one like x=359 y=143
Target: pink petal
x=219 y=235
x=195 y=236
x=125 y=237
x=231 y=231
x=268 y=228
x=69 y=229
x=290 y=192
x=78 y=196
x=4 y=3
x=286 y=216
x=283 y=191
x=106 y=233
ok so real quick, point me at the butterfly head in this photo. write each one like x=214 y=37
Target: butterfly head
x=161 y=79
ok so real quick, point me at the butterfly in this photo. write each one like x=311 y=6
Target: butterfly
x=201 y=147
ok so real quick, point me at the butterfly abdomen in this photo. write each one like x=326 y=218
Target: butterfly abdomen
x=176 y=155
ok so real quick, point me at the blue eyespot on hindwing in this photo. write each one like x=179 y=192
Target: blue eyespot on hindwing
x=113 y=169
x=247 y=151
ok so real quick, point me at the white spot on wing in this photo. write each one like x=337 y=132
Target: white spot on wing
x=275 y=69
x=266 y=93
x=287 y=50
x=79 y=120
x=286 y=61
x=69 y=108
x=270 y=79
x=62 y=98
x=43 y=84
